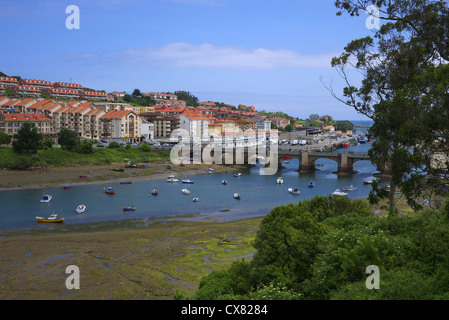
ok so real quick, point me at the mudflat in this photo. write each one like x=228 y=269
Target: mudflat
x=124 y=260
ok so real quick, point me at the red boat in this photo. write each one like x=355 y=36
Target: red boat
x=129 y=208
x=83 y=176
x=287 y=157
x=109 y=190
x=66 y=187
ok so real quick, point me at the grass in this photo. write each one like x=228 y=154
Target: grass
x=57 y=157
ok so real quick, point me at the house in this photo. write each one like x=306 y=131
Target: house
x=68 y=85
x=63 y=93
x=118 y=94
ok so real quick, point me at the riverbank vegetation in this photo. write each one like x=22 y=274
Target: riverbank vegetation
x=321 y=248
x=59 y=157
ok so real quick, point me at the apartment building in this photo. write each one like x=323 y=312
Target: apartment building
x=121 y=125
x=163 y=125
x=10 y=123
x=195 y=123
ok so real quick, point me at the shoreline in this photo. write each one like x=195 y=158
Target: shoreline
x=13 y=180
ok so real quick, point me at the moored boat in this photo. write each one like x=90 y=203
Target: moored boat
x=129 y=208
x=351 y=187
x=196 y=199
x=81 y=208
x=311 y=184
x=109 y=190
x=367 y=181
x=187 y=181
x=339 y=193
x=154 y=192
x=66 y=187
x=224 y=182
x=294 y=190
x=125 y=182
x=46 y=198
x=185 y=191
x=280 y=180
x=236 y=196
x=237 y=174
x=53 y=218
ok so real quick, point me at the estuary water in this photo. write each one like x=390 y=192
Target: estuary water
x=259 y=194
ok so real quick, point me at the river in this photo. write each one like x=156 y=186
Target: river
x=259 y=194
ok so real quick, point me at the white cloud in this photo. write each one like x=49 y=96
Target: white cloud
x=187 y=55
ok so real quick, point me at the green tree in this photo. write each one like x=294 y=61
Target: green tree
x=4 y=138
x=27 y=139
x=288 y=128
x=68 y=138
x=401 y=90
x=189 y=98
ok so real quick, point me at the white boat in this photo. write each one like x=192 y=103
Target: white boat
x=46 y=198
x=294 y=190
x=172 y=179
x=224 y=182
x=196 y=199
x=339 y=193
x=236 y=196
x=81 y=208
x=311 y=184
x=185 y=191
x=237 y=174
x=187 y=181
x=280 y=180
x=351 y=187
x=367 y=181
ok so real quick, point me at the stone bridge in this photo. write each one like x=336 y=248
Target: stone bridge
x=307 y=159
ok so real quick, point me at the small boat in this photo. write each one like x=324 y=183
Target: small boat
x=46 y=198
x=168 y=167
x=187 y=181
x=196 y=199
x=172 y=179
x=154 y=192
x=339 y=193
x=280 y=180
x=83 y=176
x=53 y=218
x=367 y=181
x=237 y=174
x=125 y=182
x=224 y=182
x=109 y=190
x=351 y=187
x=311 y=184
x=237 y=196
x=287 y=157
x=285 y=161
x=66 y=187
x=81 y=208
x=185 y=191
x=294 y=190
x=129 y=208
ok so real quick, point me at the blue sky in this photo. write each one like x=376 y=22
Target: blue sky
x=270 y=54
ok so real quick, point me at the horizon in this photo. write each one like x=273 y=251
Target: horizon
x=266 y=54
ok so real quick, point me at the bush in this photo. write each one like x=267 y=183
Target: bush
x=213 y=286
x=114 y=144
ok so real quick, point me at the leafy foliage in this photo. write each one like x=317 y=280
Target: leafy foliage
x=320 y=249
x=27 y=139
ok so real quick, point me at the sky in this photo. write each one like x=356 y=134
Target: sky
x=271 y=54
